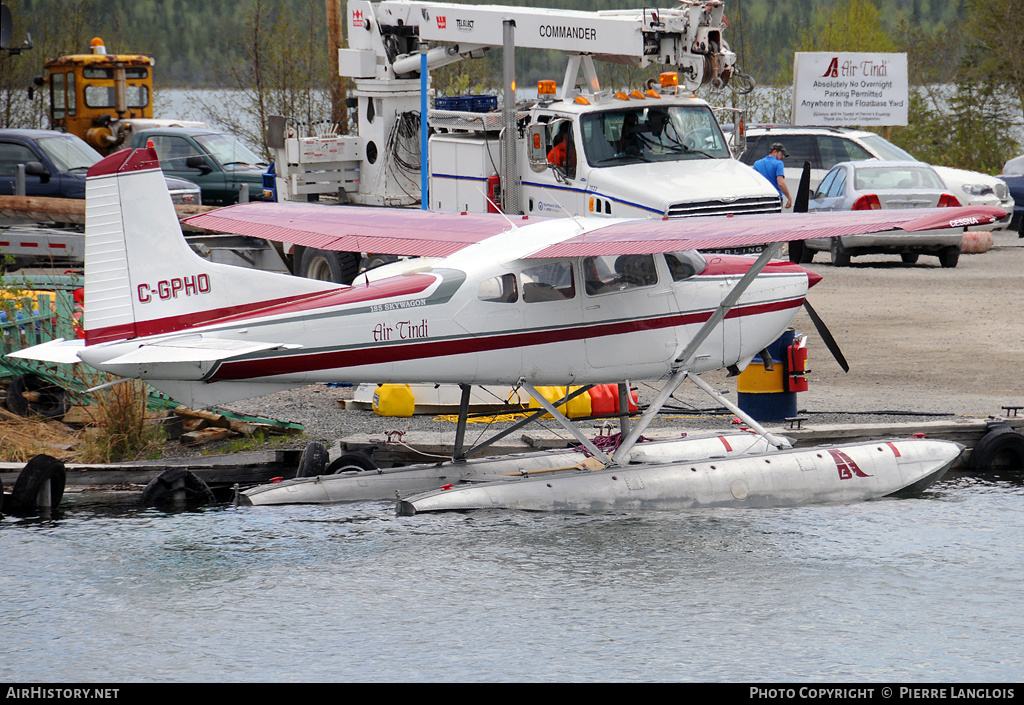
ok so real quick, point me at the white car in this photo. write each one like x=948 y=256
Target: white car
x=881 y=185
x=824 y=147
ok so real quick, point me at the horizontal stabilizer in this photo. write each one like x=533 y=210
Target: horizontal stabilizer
x=193 y=349
x=58 y=350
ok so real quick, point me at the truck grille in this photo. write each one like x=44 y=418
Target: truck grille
x=739 y=206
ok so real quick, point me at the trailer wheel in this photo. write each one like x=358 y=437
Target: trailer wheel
x=30 y=481
x=313 y=460
x=329 y=266
x=351 y=462
x=999 y=450
x=47 y=399
x=162 y=489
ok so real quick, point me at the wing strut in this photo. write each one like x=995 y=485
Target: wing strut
x=679 y=367
x=460 y=432
x=566 y=423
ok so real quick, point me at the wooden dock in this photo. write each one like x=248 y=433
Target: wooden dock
x=257 y=467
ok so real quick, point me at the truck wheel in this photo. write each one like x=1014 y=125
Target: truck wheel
x=840 y=256
x=30 y=481
x=909 y=257
x=329 y=266
x=949 y=257
x=796 y=251
x=29 y=395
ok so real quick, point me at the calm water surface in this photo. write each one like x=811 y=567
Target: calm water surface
x=925 y=589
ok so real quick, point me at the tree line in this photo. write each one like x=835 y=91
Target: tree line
x=966 y=59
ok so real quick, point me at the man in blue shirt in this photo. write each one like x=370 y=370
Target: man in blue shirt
x=772 y=168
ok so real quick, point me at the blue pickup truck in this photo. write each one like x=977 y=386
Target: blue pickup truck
x=1015 y=183
x=217 y=161
x=56 y=164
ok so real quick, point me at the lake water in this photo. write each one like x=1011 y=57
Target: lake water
x=924 y=589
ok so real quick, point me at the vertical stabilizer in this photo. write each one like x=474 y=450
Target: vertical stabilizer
x=142 y=278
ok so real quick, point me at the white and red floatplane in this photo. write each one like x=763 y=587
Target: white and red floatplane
x=492 y=300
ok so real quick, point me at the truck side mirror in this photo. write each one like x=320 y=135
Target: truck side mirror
x=537 y=146
x=198 y=162
x=37 y=169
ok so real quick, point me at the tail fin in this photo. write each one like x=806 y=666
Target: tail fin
x=141 y=277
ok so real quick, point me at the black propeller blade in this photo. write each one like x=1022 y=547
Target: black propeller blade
x=826 y=336
x=800 y=203
x=803 y=191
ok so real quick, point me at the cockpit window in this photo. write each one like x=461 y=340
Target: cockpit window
x=683 y=265
x=612 y=273
x=549 y=282
x=501 y=289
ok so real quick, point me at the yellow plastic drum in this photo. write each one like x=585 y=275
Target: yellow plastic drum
x=577 y=407
x=394 y=400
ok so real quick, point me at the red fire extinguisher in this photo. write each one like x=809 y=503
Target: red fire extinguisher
x=795 y=366
x=493 y=194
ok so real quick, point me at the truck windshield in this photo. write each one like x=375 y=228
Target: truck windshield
x=652 y=134
x=227 y=150
x=68 y=153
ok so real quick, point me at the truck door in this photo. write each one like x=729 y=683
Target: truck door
x=557 y=185
x=13 y=154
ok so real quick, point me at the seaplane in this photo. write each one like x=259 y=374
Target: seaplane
x=484 y=299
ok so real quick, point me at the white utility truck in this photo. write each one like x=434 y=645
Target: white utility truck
x=656 y=151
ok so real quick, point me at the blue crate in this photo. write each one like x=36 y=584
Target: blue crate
x=468 y=103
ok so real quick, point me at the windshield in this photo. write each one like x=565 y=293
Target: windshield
x=227 y=150
x=69 y=153
x=904 y=177
x=652 y=134
x=885 y=149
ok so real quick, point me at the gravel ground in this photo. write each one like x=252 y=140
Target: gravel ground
x=920 y=340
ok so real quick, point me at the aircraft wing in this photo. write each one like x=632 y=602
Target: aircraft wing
x=713 y=232
x=388 y=231
x=406 y=231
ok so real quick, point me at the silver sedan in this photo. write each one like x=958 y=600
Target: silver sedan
x=875 y=185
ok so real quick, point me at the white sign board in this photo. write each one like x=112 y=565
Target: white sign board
x=840 y=89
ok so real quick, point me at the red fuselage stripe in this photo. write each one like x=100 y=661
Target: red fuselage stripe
x=290 y=364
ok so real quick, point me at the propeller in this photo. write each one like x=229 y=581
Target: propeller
x=796 y=254
x=800 y=203
x=803 y=191
x=826 y=337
